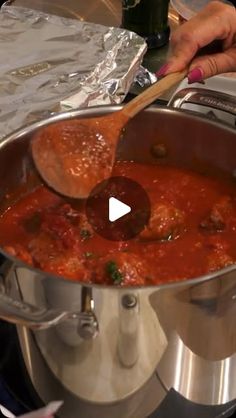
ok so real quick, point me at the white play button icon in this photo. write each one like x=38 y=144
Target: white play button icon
x=117 y=209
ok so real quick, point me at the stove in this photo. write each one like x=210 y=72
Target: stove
x=18 y=395
x=16 y=391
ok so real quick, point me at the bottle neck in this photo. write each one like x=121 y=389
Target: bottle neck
x=148 y=18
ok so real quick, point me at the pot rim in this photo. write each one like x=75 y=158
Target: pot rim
x=168 y=285
x=71 y=114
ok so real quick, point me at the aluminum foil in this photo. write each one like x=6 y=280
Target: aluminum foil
x=49 y=63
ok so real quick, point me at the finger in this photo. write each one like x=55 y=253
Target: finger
x=216 y=21
x=210 y=65
x=181 y=55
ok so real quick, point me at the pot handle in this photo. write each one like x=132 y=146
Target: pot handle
x=21 y=313
x=25 y=314
x=30 y=316
x=205 y=97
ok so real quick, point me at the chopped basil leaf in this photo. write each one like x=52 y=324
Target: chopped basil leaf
x=85 y=233
x=113 y=272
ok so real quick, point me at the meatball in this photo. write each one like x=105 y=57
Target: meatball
x=217 y=260
x=60 y=229
x=121 y=268
x=219 y=215
x=19 y=252
x=66 y=225
x=49 y=254
x=69 y=266
x=219 y=253
x=166 y=222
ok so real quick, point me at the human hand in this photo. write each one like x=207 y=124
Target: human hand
x=216 y=21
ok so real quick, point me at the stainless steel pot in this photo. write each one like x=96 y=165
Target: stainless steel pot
x=103 y=349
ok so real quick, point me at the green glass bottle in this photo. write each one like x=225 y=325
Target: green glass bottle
x=149 y=19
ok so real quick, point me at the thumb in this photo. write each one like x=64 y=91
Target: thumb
x=210 y=65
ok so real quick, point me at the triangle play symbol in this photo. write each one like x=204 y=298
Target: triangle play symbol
x=117 y=209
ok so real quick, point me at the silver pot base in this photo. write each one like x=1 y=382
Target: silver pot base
x=48 y=387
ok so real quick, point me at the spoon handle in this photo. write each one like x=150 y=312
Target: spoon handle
x=152 y=93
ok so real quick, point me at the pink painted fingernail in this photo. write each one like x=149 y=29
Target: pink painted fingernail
x=195 y=75
x=162 y=70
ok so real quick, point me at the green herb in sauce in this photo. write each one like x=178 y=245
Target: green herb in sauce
x=85 y=233
x=113 y=272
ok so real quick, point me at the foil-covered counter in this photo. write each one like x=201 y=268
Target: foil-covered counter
x=46 y=59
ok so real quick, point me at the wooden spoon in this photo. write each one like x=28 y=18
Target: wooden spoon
x=73 y=156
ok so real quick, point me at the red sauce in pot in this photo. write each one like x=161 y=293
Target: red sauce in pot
x=191 y=232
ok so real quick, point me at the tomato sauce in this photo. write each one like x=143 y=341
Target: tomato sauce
x=191 y=232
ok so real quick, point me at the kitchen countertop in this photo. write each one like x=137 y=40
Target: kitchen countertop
x=105 y=12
